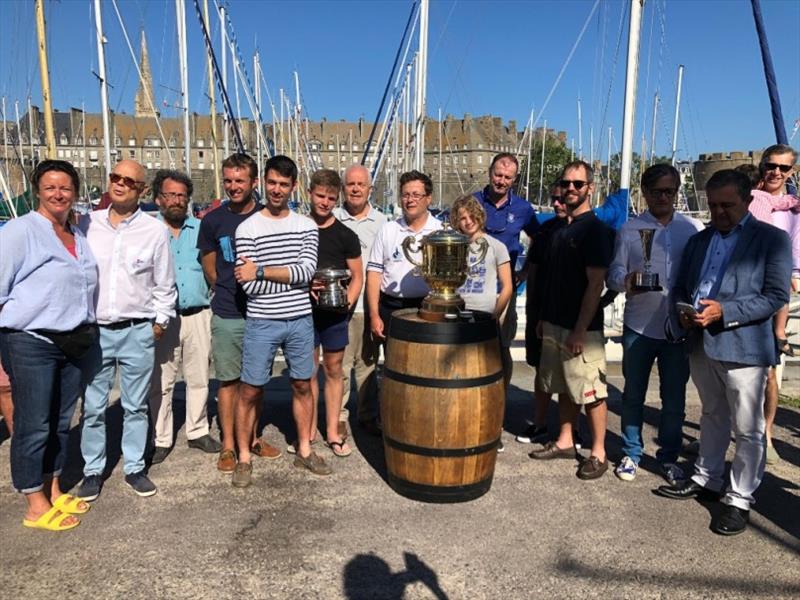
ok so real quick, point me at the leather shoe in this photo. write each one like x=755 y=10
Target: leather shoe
x=551 y=451
x=206 y=443
x=159 y=455
x=686 y=490
x=732 y=521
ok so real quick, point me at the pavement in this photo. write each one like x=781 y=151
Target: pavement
x=539 y=531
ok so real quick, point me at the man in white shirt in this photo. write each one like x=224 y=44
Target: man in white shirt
x=361 y=354
x=136 y=300
x=391 y=285
x=644 y=339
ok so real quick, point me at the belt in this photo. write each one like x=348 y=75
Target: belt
x=124 y=324
x=188 y=312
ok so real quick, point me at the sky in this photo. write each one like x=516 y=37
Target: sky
x=485 y=57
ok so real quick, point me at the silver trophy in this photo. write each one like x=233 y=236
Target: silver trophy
x=334 y=295
x=646 y=281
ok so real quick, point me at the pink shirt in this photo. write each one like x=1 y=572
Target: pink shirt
x=781 y=212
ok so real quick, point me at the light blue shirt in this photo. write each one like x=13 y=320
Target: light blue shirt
x=42 y=286
x=189 y=277
x=716 y=261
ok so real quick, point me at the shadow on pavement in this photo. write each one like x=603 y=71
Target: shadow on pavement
x=367 y=576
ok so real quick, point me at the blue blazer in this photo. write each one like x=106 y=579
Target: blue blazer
x=754 y=286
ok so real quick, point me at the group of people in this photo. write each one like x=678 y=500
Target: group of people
x=120 y=290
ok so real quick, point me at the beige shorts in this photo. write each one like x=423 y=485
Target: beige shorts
x=582 y=377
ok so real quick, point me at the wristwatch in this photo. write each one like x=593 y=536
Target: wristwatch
x=260 y=273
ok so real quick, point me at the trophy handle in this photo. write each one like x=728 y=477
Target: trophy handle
x=407 y=249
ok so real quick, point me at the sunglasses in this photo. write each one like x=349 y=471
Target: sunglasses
x=554 y=199
x=770 y=166
x=127 y=181
x=565 y=183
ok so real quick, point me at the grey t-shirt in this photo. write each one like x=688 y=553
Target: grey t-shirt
x=480 y=289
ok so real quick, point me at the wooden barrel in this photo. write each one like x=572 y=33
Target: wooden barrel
x=442 y=400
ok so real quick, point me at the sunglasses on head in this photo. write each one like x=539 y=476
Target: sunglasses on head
x=565 y=183
x=127 y=181
x=770 y=166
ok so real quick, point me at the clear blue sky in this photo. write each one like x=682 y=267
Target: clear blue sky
x=485 y=57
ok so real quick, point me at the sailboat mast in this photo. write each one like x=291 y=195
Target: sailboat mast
x=83 y=152
x=44 y=73
x=677 y=114
x=421 y=88
x=180 y=14
x=212 y=97
x=528 y=169
x=5 y=140
x=101 y=65
x=21 y=153
x=30 y=128
x=440 y=156
x=223 y=43
x=653 y=132
x=260 y=152
x=541 y=166
x=580 y=130
x=631 y=76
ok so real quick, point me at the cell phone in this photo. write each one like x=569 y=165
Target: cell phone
x=686 y=308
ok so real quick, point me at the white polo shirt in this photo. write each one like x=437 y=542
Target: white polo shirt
x=366 y=229
x=388 y=259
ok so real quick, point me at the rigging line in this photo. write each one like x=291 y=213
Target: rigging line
x=566 y=62
x=139 y=72
x=163 y=46
x=644 y=119
x=444 y=28
x=388 y=83
x=598 y=50
x=623 y=12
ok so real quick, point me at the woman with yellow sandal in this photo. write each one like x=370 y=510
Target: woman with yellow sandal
x=48 y=279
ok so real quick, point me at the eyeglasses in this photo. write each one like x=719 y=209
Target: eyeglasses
x=414 y=196
x=127 y=181
x=663 y=192
x=770 y=166
x=174 y=196
x=565 y=183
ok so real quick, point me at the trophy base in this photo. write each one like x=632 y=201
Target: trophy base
x=647 y=288
x=646 y=282
x=435 y=309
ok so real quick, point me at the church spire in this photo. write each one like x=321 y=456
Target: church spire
x=143 y=104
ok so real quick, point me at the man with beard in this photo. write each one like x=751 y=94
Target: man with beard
x=361 y=354
x=572 y=360
x=217 y=245
x=277 y=253
x=136 y=300
x=186 y=345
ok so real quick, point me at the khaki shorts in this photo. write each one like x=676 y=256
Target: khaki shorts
x=582 y=377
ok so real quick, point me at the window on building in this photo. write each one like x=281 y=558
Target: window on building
x=131 y=153
x=149 y=165
x=158 y=165
x=93 y=141
x=355 y=146
x=92 y=154
x=331 y=147
x=63 y=140
x=157 y=153
x=131 y=141
x=201 y=166
x=199 y=154
x=148 y=154
x=118 y=141
x=330 y=158
x=172 y=142
x=201 y=143
x=480 y=159
x=463 y=160
x=60 y=153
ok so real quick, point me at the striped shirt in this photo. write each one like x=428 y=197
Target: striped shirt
x=289 y=242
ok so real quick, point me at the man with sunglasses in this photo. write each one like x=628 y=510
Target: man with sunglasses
x=572 y=362
x=136 y=300
x=187 y=344
x=507 y=215
x=644 y=339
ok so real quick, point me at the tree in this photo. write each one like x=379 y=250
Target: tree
x=556 y=155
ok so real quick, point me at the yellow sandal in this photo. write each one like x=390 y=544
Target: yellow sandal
x=52 y=520
x=67 y=503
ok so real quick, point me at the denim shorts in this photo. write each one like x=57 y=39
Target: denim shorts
x=226 y=347
x=330 y=330
x=263 y=337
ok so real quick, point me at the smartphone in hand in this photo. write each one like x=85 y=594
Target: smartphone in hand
x=686 y=309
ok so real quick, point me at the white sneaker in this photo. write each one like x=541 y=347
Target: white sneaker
x=626 y=469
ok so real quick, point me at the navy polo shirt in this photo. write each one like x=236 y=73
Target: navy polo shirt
x=506 y=223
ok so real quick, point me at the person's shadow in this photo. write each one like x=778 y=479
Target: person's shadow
x=368 y=577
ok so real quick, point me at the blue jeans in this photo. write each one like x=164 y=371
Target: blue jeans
x=639 y=353
x=133 y=349
x=45 y=386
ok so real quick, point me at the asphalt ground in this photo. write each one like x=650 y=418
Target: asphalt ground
x=539 y=532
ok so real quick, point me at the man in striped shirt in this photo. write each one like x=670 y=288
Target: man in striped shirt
x=277 y=255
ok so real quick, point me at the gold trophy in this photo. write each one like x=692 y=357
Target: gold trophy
x=646 y=281
x=444 y=267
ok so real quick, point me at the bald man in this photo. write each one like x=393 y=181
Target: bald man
x=136 y=300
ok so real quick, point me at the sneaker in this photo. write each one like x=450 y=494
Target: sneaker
x=314 y=463
x=672 y=473
x=206 y=443
x=160 y=455
x=501 y=447
x=90 y=487
x=242 y=475
x=532 y=434
x=141 y=485
x=626 y=469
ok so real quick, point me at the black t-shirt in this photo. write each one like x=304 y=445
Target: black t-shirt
x=337 y=243
x=540 y=242
x=585 y=242
x=218 y=234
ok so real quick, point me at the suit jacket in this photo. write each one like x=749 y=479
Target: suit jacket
x=754 y=286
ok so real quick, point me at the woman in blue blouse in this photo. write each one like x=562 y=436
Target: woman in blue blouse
x=48 y=279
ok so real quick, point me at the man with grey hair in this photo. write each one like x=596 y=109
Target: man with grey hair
x=361 y=354
x=186 y=345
